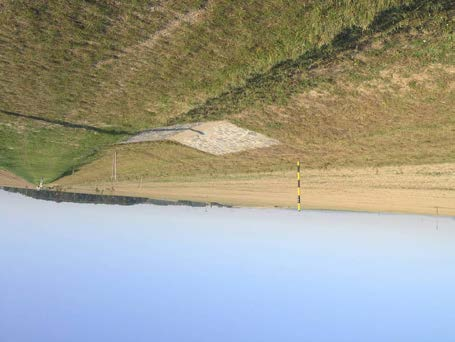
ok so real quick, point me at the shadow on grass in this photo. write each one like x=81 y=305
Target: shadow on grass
x=289 y=76
x=66 y=124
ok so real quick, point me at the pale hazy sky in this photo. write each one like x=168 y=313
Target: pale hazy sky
x=71 y=272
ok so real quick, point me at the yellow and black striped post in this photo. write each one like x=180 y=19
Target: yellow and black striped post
x=299 y=208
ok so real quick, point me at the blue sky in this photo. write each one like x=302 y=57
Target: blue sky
x=71 y=272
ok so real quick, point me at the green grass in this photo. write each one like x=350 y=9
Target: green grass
x=279 y=83
x=126 y=66
x=84 y=61
x=34 y=150
x=169 y=161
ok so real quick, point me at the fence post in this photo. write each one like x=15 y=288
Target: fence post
x=299 y=208
x=114 y=167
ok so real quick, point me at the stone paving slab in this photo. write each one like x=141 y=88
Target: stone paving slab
x=217 y=137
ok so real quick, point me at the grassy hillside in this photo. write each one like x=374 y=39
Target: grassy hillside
x=338 y=82
x=33 y=149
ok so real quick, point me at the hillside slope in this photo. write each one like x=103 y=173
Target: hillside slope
x=338 y=83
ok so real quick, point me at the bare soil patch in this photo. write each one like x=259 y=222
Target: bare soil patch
x=9 y=179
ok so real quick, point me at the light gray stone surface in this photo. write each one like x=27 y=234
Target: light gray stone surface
x=217 y=137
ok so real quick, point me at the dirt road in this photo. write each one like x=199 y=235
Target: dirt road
x=9 y=179
x=424 y=189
